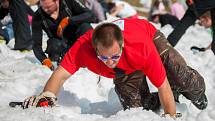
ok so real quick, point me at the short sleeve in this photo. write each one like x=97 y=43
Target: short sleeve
x=154 y=69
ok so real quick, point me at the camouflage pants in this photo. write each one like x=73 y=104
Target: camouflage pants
x=182 y=78
x=133 y=90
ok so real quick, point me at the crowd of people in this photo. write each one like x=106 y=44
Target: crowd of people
x=127 y=49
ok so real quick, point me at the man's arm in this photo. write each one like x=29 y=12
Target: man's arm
x=56 y=80
x=167 y=98
x=52 y=87
x=37 y=36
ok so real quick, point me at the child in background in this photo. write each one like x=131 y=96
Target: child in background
x=177 y=9
x=122 y=9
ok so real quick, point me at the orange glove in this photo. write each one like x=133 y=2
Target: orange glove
x=189 y=2
x=47 y=62
x=192 y=7
x=64 y=22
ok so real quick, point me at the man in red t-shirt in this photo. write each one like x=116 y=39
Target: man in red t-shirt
x=125 y=50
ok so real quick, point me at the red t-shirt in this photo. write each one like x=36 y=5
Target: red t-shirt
x=139 y=53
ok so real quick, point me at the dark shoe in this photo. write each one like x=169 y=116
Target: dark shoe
x=152 y=102
x=201 y=103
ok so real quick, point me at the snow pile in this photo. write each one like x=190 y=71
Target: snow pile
x=82 y=99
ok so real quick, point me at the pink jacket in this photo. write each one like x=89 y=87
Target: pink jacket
x=177 y=10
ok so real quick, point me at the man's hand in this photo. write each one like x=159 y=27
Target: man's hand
x=47 y=62
x=64 y=22
x=45 y=99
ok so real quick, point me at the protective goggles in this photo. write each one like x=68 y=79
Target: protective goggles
x=106 y=58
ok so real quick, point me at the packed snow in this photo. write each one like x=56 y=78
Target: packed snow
x=83 y=99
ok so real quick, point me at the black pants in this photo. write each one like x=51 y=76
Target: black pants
x=133 y=90
x=19 y=11
x=3 y=33
x=189 y=19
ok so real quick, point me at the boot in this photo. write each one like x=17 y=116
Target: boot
x=152 y=102
x=201 y=103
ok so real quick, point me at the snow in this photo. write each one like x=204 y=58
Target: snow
x=82 y=99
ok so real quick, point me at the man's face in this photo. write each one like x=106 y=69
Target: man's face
x=5 y=4
x=49 y=6
x=205 y=21
x=110 y=56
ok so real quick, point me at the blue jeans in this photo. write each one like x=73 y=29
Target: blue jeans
x=9 y=29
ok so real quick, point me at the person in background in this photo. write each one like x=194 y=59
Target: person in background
x=121 y=9
x=177 y=9
x=6 y=28
x=63 y=21
x=96 y=8
x=195 y=9
x=157 y=5
x=32 y=2
x=165 y=19
x=167 y=4
x=146 y=3
x=127 y=50
x=104 y=6
x=4 y=37
x=19 y=12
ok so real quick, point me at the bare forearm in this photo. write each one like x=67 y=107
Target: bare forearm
x=167 y=98
x=56 y=80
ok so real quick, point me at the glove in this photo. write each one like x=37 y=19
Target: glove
x=45 y=99
x=64 y=22
x=177 y=115
x=189 y=2
x=47 y=62
x=192 y=7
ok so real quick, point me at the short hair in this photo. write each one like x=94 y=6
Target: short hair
x=106 y=33
x=206 y=14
